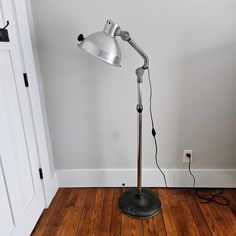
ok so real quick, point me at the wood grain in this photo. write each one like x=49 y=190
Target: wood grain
x=47 y=214
x=106 y=213
x=167 y=214
x=73 y=212
x=116 y=216
x=182 y=216
x=95 y=211
x=211 y=221
x=84 y=225
x=58 y=214
x=158 y=222
x=198 y=216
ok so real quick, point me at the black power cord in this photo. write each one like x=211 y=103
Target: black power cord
x=203 y=198
x=153 y=128
x=188 y=155
x=207 y=197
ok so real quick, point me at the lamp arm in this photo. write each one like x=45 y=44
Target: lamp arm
x=126 y=37
x=141 y=52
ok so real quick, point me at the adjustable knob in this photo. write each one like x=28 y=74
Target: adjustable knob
x=125 y=36
x=80 y=38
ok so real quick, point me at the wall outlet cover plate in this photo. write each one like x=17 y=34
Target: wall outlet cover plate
x=185 y=158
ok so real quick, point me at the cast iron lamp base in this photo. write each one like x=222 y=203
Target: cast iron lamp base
x=139 y=205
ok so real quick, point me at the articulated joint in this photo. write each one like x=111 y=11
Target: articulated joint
x=123 y=34
x=139 y=73
x=126 y=37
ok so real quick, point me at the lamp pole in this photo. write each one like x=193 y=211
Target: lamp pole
x=139 y=73
x=138 y=202
x=139 y=108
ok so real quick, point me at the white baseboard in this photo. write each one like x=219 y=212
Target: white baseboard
x=225 y=178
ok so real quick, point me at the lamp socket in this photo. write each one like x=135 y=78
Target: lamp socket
x=188 y=154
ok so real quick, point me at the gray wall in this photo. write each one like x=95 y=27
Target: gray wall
x=91 y=105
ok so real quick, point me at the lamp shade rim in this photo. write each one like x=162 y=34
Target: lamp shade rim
x=99 y=54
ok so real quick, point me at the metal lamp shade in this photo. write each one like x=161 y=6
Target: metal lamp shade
x=103 y=46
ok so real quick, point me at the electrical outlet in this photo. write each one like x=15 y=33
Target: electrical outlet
x=185 y=158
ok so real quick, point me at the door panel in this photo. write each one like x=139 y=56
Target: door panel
x=16 y=129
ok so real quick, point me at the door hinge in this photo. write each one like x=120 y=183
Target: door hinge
x=26 y=79
x=40 y=173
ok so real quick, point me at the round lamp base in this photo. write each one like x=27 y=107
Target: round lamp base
x=139 y=205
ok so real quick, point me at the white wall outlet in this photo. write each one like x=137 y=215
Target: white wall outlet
x=185 y=158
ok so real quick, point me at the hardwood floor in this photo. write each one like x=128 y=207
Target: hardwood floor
x=94 y=211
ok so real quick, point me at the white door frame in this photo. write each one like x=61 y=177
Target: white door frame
x=30 y=58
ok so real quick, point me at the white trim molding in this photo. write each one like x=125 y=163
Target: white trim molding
x=36 y=97
x=225 y=178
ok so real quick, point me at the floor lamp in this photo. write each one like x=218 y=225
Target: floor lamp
x=136 y=202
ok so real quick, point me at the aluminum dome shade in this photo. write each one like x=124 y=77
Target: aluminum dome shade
x=103 y=44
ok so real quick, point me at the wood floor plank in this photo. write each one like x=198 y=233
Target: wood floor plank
x=74 y=196
x=137 y=227
x=182 y=215
x=47 y=214
x=148 y=227
x=159 y=226
x=158 y=221
x=58 y=214
x=231 y=195
x=228 y=214
x=222 y=215
x=130 y=226
x=167 y=215
x=69 y=223
x=127 y=225
x=97 y=211
x=73 y=212
x=198 y=216
x=84 y=225
x=106 y=213
x=211 y=221
x=116 y=217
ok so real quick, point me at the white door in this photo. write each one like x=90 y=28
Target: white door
x=21 y=191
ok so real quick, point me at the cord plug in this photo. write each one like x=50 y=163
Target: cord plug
x=188 y=155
